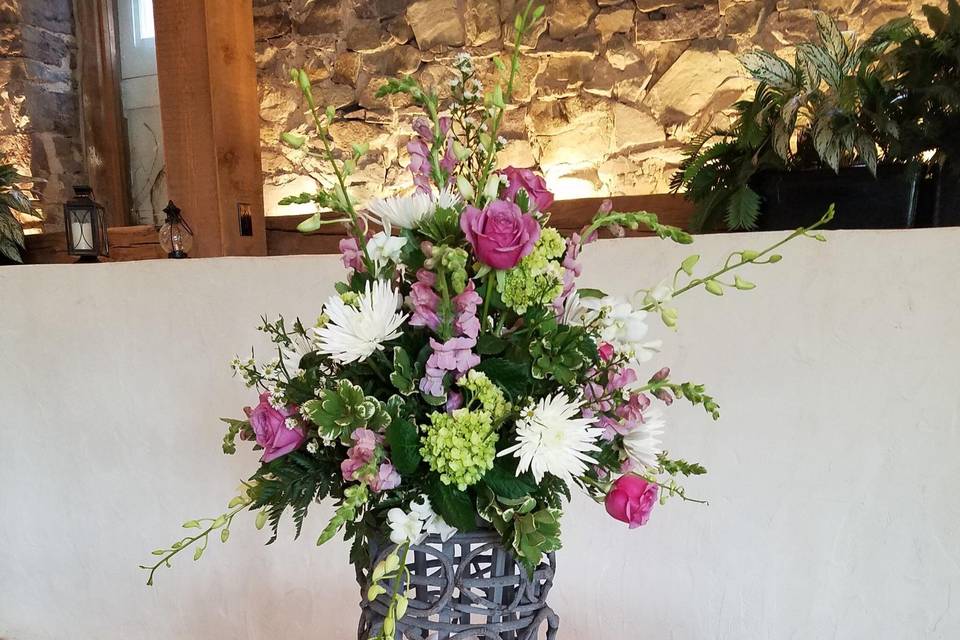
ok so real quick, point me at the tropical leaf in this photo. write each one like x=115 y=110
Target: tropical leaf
x=811 y=77
x=10 y=250
x=781 y=140
x=743 y=208
x=827 y=67
x=826 y=142
x=831 y=37
x=769 y=68
x=867 y=152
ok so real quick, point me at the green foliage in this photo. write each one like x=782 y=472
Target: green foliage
x=354 y=497
x=503 y=480
x=511 y=376
x=679 y=467
x=13 y=198
x=835 y=102
x=402 y=375
x=341 y=409
x=295 y=480
x=404 y=443
x=453 y=505
x=234 y=429
x=928 y=111
x=529 y=529
x=562 y=352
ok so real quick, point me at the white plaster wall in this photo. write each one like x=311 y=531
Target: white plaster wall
x=833 y=484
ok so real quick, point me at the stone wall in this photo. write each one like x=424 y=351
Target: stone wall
x=39 y=125
x=609 y=94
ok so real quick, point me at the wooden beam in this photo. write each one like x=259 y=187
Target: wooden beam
x=103 y=135
x=566 y=215
x=211 y=120
x=140 y=242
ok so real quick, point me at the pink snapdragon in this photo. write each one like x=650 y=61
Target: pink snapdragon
x=538 y=196
x=360 y=455
x=351 y=255
x=454 y=355
x=425 y=301
x=386 y=479
x=465 y=306
x=571 y=271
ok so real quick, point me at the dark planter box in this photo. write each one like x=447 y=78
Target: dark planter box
x=946 y=201
x=792 y=199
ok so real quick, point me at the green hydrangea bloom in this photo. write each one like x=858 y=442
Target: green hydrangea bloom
x=460 y=446
x=489 y=395
x=538 y=278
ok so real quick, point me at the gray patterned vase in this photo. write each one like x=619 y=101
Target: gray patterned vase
x=467 y=588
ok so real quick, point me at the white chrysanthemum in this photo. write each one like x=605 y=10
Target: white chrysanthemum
x=552 y=439
x=448 y=198
x=405 y=212
x=384 y=249
x=355 y=332
x=642 y=444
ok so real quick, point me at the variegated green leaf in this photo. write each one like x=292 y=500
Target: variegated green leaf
x=867 y=152
x=827 y=67
x=769 y=68
x=827 y=144
x=810 y=75
x=781 y=140
x=789 y=111
x=831 y=37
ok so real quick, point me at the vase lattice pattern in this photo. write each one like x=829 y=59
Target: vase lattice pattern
x=467 y=588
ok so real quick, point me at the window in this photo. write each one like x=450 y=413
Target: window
x=143 y=20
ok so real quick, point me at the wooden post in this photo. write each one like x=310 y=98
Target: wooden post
x=211 y=121
x=104 y=138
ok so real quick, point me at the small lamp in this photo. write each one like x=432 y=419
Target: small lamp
x=83 y=220
x=176 y=236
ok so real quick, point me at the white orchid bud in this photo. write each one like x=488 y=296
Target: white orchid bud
x=466 y=191
x=492 y=188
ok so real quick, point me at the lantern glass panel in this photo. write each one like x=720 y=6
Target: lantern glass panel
x=85 y=225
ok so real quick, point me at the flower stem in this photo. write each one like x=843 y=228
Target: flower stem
x=495 y=129
x=348 y=204
x=753 y=259
x=486 y=298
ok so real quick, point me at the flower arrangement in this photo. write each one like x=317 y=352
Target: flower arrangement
x=459 y=378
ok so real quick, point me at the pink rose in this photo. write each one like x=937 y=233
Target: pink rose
x=272 y=433
x=537 y=194
x=501 y=235
x=631 y=500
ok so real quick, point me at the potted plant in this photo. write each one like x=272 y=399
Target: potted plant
x=928 y=111
x=811 y=135
x=13 y=199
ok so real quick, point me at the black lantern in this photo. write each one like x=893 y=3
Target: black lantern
x=83 y=220
x=176 y=236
